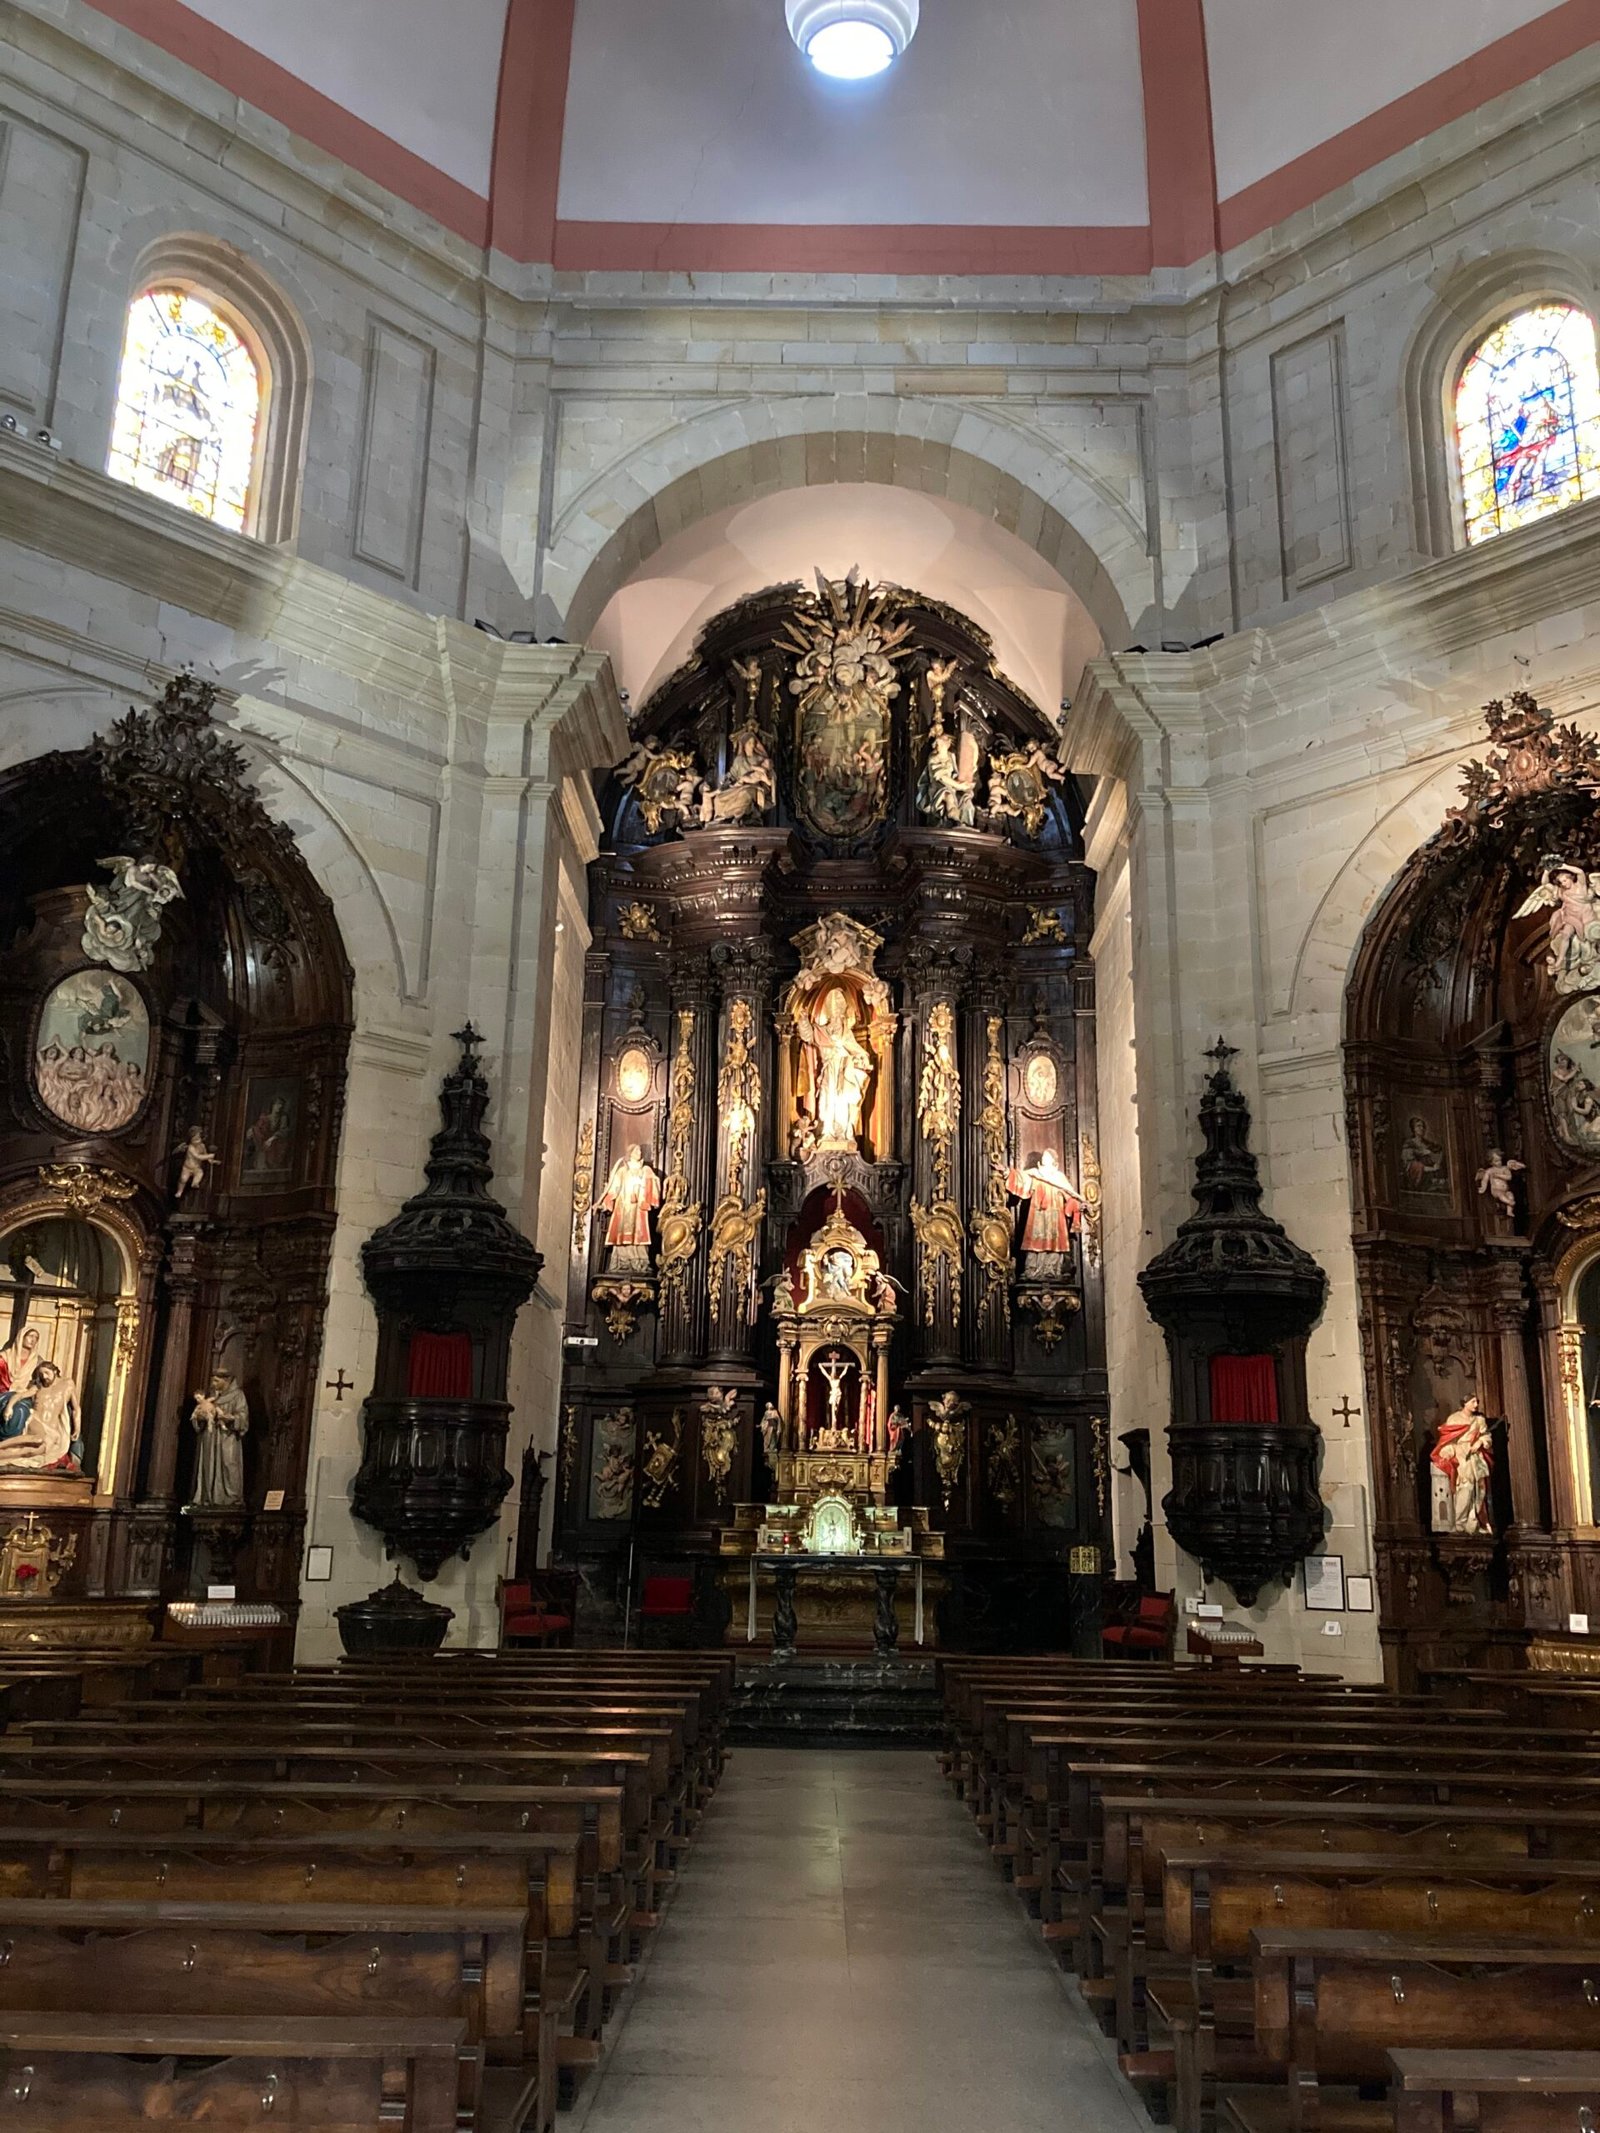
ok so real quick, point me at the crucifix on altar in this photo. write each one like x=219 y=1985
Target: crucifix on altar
x=836 y=1435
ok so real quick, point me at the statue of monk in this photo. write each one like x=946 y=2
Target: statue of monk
x=1055 y=1211
x=632 y=1191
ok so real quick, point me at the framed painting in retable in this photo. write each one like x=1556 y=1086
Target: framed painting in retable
x=1053 y=1457
x=1424 y=1156
x=91 y=1053
x=1572 y=1076
x=271 y=1130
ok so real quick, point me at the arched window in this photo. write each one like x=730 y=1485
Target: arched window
x=190 y=398
x=1527 y=417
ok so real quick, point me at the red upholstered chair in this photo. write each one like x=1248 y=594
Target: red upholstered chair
x=667 y=1608
x=538 y=1610
x=1149 y=1634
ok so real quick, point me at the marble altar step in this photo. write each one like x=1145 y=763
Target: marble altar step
x=836 y=1703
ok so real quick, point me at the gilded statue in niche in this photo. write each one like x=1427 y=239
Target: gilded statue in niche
x=1020 y=784
x=749 y=792
x=633 y=1192
x=1055 y=1211
x=844 y=687
x=838 y=1014
x=1460 y=1463
x=947 y=788
x=69 y=1318
x=665 y=783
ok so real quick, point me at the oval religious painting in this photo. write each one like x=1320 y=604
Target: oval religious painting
x=92 y=1052
x=1572 y=1076
x=1040 y=1081
x=635 y=1073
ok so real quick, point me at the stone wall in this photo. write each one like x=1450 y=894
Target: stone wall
x=436 y=782
x=1254 y=451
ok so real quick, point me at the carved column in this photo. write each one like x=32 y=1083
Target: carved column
x=172 y=1385
x=882 y=1337
x=937 y=1103
x=1567 y=1422
x=986 y=1153
x=1508 y=1315
x=741 y=1131
x=596 y=975
x=691 y=1101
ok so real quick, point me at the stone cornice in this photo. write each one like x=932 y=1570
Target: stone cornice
x=558 y=701
x=1137 y=713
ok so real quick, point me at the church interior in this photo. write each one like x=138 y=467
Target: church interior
x=800 y=1065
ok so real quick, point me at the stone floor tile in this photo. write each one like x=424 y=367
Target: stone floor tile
x=840 y=1954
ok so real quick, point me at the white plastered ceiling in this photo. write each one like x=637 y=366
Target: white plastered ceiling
x=1042 y=632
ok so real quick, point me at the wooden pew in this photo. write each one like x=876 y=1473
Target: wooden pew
x=294 y=1959
x=1494 y=2092
x=1330 y=2006
x=1214 y=1900
x=1121 y=1930
x=471 y=1871
x=82 y=2073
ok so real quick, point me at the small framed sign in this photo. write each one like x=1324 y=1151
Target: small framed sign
x=319 y=1565
x=1324 y=1583
x=1358 y=1596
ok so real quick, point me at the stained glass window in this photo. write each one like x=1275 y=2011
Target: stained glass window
x=188 y=405
x=1528 y=420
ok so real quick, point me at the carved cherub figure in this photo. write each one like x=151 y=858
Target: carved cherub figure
x=1497 y=1177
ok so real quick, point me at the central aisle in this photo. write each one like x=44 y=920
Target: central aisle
x=842 y=1958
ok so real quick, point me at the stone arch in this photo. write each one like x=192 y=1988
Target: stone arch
x=1077 y=522
x=272 y=330
x=1328 y=950
x=330 y=850
x=1465 y=306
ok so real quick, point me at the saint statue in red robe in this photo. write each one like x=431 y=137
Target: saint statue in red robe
x=632 y=1191
x=1055 y=1212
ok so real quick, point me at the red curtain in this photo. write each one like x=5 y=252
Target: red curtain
x=1244 y=1388
x=439 y=1367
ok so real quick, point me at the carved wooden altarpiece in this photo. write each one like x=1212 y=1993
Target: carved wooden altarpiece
x=174 y=1018
x=838 y=1000
x=1473 y=1113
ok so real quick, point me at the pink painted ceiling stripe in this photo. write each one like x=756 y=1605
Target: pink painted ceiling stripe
x=530 y=117
x=249 y=75
x=845 y=248
x=1509 y=61
x=1180 y=159
x=529 y=123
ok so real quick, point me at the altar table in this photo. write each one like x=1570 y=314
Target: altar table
x=786 y=1571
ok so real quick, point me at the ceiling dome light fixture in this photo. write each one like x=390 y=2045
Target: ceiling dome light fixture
x=852 y=39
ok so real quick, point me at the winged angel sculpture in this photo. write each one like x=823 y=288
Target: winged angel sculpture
x=1571 y=895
